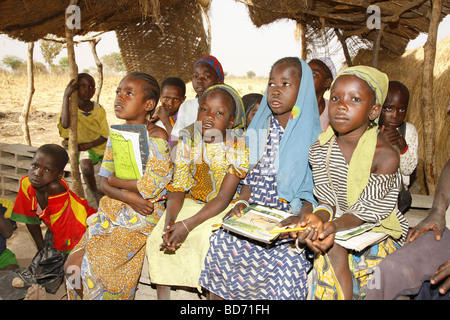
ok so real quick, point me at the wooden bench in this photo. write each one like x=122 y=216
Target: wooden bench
x=420 y=206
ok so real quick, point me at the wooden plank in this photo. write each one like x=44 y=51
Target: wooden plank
x=421 y=201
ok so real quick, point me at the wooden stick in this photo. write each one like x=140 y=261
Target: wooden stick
x=29 y=97
x=76 y=184
x=428 y=114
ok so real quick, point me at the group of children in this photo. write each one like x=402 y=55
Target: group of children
x=329 y=162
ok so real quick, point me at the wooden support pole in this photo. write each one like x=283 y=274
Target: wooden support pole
x=303 y=40
x=427 y=101
x=30 y=91
x=377 y=46
x=99 y=85
x=344 y=47
x=76 y=184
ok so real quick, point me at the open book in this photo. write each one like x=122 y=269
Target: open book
x=129 y=145
x=359 y=237
x=256 y=222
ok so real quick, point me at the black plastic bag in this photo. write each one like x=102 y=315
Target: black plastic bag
x=404 y=200
x=47 y=267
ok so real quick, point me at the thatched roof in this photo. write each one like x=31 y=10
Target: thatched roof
x=159 y=37
x=404 y=19
x=408 y=70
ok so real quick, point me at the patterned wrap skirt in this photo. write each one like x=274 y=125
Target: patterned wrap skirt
x=237 y=268
x=240 y=269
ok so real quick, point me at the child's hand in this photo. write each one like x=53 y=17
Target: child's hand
x=325 y=239
x=166 y=234
x=139 y=204
x=393 y=136
x=313 y=225
x=442 y=275
x=175 y=235
x=163 y=113
x=112 y=179
x=292 y=220
x=235 y=211
x=71 y=88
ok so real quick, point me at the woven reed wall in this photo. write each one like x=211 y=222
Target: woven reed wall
x=169 y=47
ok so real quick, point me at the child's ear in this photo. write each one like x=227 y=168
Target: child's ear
x=375 y=113
x=61 y=174
x=150 y=105
x=230 y=123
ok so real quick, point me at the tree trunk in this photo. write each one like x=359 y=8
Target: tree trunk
x=30 y=91
x=99 y=64
x=76 y=184
x=427 y=101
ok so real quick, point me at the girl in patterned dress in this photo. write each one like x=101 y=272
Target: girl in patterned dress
x=357 y=181
x=109 y=257
x=279 y=136
x=211 y=160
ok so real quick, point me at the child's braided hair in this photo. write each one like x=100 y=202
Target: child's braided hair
x=152 y=89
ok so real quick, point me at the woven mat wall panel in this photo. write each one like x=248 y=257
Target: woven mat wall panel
x=166 y=48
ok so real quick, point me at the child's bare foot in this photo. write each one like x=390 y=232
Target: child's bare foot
x=36 y=292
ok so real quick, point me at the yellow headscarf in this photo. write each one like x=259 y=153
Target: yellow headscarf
x=360 y=165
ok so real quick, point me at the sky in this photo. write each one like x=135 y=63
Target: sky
x=236 y=42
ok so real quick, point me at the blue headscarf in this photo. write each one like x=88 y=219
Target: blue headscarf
x=294 y=174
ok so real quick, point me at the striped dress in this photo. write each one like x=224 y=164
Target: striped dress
x=239 y=269
x=375 y=203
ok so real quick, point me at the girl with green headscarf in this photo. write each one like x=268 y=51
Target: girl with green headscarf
x=357 y=181
x=211 y=159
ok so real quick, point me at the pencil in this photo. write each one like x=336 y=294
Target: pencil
x=160 y=199
x=286 y=230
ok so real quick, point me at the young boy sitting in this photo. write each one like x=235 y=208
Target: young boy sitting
x=207 y=72
x=173 y=94
x=400 y=134
x=92 y=129
x=44 y=195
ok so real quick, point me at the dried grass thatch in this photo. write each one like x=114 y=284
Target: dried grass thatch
x=158 y=37
x=404 y=19
x=408 y=70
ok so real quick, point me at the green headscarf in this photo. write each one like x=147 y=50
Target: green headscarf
x=239 y=115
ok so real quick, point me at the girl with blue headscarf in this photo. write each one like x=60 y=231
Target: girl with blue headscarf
x=278 y=138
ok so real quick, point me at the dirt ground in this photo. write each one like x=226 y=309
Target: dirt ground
x=47 y=100
x=22 y=245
